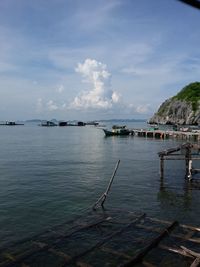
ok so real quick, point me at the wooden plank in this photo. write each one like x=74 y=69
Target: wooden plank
x=50 y=230
x=180 y=225
x=157 y=230
x=195 y=263
x=60 y=254
x=82 y=264
x=169 y=151
x=190 y=227
x=43 y=246
x=139 y=256
x=176 y=250
x=101 y=243
x=116 y=253
x=191 y=252
x=67 y=257
x=148 y=264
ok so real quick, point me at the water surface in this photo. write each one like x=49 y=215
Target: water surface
x=50 y=174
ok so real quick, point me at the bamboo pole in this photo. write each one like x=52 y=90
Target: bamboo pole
x=102 y=199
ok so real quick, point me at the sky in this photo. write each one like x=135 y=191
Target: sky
x=94 y=59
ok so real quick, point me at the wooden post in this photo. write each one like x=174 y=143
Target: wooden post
x=104 y=196
x=188 y=162
x=161 y=166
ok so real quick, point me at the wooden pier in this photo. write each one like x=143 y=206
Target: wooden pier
x=187 y=152
x=108 y=238
x=162 y=134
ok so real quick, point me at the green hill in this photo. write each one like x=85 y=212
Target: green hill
x=183 y=108
x=190 y=93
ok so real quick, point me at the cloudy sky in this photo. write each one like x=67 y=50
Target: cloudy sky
x=94 y=59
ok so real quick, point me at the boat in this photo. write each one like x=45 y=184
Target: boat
x=48 y=124
x=63 y=123
x=11 y=123
x=117 y=130
x=118 y=127
x=94 y=123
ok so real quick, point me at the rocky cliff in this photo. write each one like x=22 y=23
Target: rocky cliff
x=184 y=108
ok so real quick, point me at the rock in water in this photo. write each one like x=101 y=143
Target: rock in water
x=184 y=108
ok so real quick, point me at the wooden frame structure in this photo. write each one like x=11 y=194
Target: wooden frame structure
x=108 y=238
x=185 y=153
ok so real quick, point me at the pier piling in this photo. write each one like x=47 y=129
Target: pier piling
x=185 y=154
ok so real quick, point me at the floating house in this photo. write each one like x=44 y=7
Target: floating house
x=63 y=123
x=48 y=123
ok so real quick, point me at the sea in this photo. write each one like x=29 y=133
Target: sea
x=49 y=175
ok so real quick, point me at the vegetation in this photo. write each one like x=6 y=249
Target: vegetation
x=163 y=108
x=190 y=93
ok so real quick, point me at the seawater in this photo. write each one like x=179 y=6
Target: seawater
x=48 y=175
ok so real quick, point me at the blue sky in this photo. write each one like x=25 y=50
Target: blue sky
x=98 y=59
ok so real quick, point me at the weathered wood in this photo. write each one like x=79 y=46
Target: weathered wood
x=148 y=264
x=49 y=246
x=169 y=151
x=138 y=257
x=195 y=263
x=176 y=250
x=82 y=264
x=191 y=252
x=169 y=154
x=188 y=161
x=161 y=166
x=102 y=199
x=190 y=227
x=116 y=253
x=61 y=254
x=157 y=230
x=181 y=158
x=50 y=230
x=101 y=243
x=40 y=246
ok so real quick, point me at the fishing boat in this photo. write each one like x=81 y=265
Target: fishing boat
x=117 y=130
x=48 y=123
x=11 y=123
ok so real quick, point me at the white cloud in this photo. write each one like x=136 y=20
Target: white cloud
x=51 y=105
x=101 y=96
x=60 y=89
x=39 y=105
x=143 y=109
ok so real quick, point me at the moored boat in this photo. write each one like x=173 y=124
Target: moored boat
x=48 y=124
x=120 y=130
x=11 y=123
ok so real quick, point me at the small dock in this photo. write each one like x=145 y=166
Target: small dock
x=162 y=134
x=108 y=238
x=187 y=152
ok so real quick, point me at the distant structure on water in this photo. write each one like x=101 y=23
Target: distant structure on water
x=11 y=123
x=48 y=123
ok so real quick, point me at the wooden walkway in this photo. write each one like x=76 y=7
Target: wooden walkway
x=166 y=134
x=108 y=238
x=187 y=152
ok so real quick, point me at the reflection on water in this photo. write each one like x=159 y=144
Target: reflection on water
x=49 y=175
x=180 y=196
x=169 y=196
